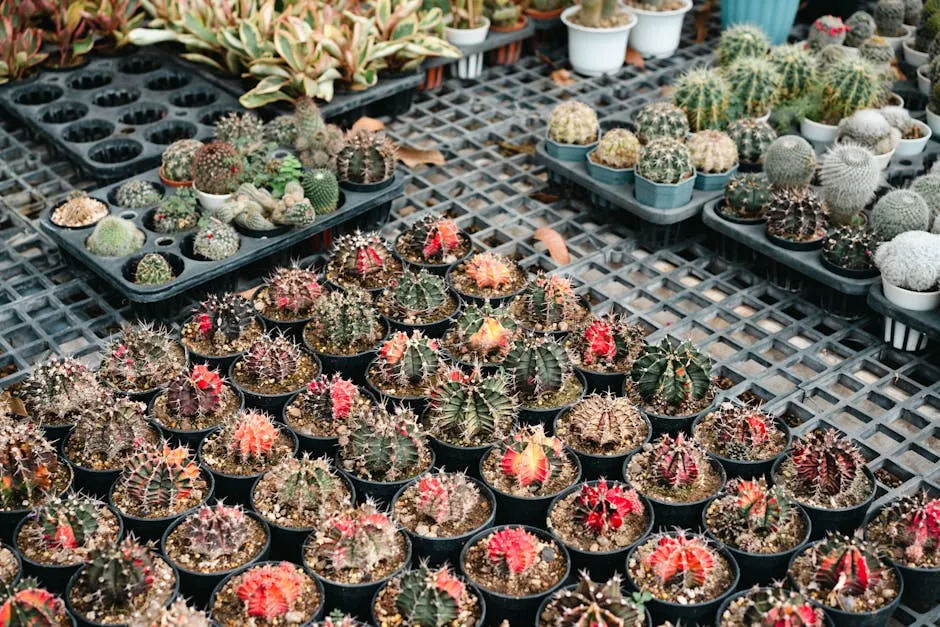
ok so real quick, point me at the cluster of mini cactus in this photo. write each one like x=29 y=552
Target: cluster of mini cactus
x=797 y=68
x=109 y=430
x=666 y=161
x=752 y=137
x=358 y=256
x=573 y=122
x=530 y=457
x=681 y=560
x=358 y=538
x=602 y=508
x=590 y=603
x=899 y=211
x=432 y=596
x=747 y=196
x=739 y=432
x=849 y=178
x=367 y=157
x=712 y=152
x=909 y=528
x=483 y=332
x=435 y=239
x=25 y=604
x=177 y=160
x=796 y=215
x=194 y=395
x=383 y=445
x=321 y=189
x=289 y=292
x=827 y=465
x=618 y=149
x=306 y=484
x=217 y=168
x=754 y=85
x=416 y=297
x=471 y=409
x=244 y=130
x=158 y=478
x=215 y=240
x=828 y=30
x=846 y=569
x=704 y=95
x=224 y=318
x=317 y=143
x=446 y=497
x=548 y=302
x=271 y=359
x=143 y=358
x=177 y=212
x=153 y=269
x=79 y=209
x=115 y=237
x=537 y=364
x=56 y=390
x=850 y=247
x=513 y=551
x=28 y=464
x=742 y=40
x=489 y=270
x=346 y=322
x=750 y=513
x=137 y=194
x=661 y=119
x=607 y=344
x=120 y=574
x=270 y=591
x=216 y=531
x=672 y=372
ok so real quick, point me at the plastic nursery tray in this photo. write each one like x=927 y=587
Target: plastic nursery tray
x=493 y=41
x=927 y=322
x=190 y=271
x=114 y=117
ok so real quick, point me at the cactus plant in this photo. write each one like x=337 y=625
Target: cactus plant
x=248 y=443
x=346 y=323
x=869 y=129
x=704 y=95
x=322 y=190
x=591 y=603
x=269 y=593
x=899 y=211
x=755 y=518
x=79 y=210
x=143 y=358
x=878 y=50
x=137 y=194
x=107 y=432
x=221 y=325
x=753 y=83
x=300 y=493
x=115 y=237
x=861 y=26
x=217 y=168
x=789 y=162
x=746 y=196
x=797 y=68
x=366 y=158
x=30 y=471
x=618 y=149
x=928 y=186
x=740 y=432
x=281 y=131
x=384 y=445
x=443 y=504
x=325 y=404
x=63 y=531
x=406 y=364
x=502 y=13
x=417 y=299
x=177 y=160
x=56 y=391
x=752 y=137
x=599 y=514
x=796 y=215
x=824 y=469
x=900 y=118
x=213 y=534
x=470 y=410
x=661 y=119
x=774 y=605
x=481 y=333
x=910 y=261
x=176 y=213
x=826 y=31
x=675 y=469
x=541 y=372
x=549 y=303
x=908 y=529
x=672 y=378
x=288 y=294
x=153 y=269
x=602 y=424
x=244 y=130
x=741 y=40
x=573 y=123
x=608 y=344
x=849 y=178
x=850 y=247
x=913 y=12
x=159 y=481
x=712 y=152
x=679 y=565
x=25 y=604
x=889 y=18
x=487 y=275
x=317 y=143
x=194 y=400
x=433 y=240
x=274 y=364
x=177 y=614
x=215 y=240
x=666 y=161
x=848 y=85
x=529 y=463
x=427 y=597
x=362 y=260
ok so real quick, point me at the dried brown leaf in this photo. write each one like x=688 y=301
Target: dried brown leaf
x=562 y=77
x=555 y=244
x=635 y=59
x=412 y=157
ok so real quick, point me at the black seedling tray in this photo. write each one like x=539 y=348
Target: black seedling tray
x=493 y=41
x=177 y=247
x=114 y=117
x=927 y=322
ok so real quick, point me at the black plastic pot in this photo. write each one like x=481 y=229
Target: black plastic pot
x=153 y=528
x=852 y=273
x=470 y=299
x=316 y=445
x=95 y=482
x=538 y=615
x=237 y=488
x=192 y=439
x=749 y=469
x=316 y=615
x=439 y=550
x=56 y=433
x=352 y=367
x=604 y=466
x=728 y=601
x=10 y=518
x=844 y=520
x=354 y=598
x=921 y=585
x=366 y=188
x=147 y=395
x=692 y=614
x=737 y=220
x=517 y=510
x=674 y=424
x=601 y=382
x=798 y=246
x=431 y=329
x=439 y=269
x=517 y=610
x=546 y=417
x=220 y=362
x=200 y=586
x=417 y=403
x=379 y=490
x=602 y=564
x=761 y=568
x=684 y=515
x=293 y=328
x=271 y=403
x=481 y=601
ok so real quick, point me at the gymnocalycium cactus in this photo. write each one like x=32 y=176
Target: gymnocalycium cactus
x=790 y=162
x=217 y=168
x=215 y=240
x=861 y=26
x=712 y=152
x=752 y=137
x=429 y=596
x=108 y=431
x=158 y=481
x=367 y=157
x=193 y=399
x=270 y=592
x=869 y=129
x=300 y=492
x=529 y=458
x=602 y=424
x=824 y=469
x=434 y=240
x=346 y=323
x=274 y=364
x=153 y=269
x=384 y=445
x=909 y=529
x=889 y=18
x=481 y=333
x=445 y=497
x=666 y=161
x=406 y=363
x=775 y=605
x=797 y=68
x=618 y=149
x=177 y=161
x=362 y=260
x=850 y=247
x=741 y=432
x=216 y=531
x=661 y=119
x=25 y=604
x=547 y=303
x=608 y=344
x=742 y=40
x=678 y=562
x=899 y=211
x=673 y=375
x=321 y=189
x=538 y=366
x=417 y=298
x=223 y=319
x=591 y=603
x=177 y=212
x=754 y=84
x=471 y=409
x=753 y=517
x=796 y=215
x=324 y=405
x=849 y=177
x=145 y=357
x=118 y=575
x=28 y=464
x=573 y=122
x=358 y=540
x=849 y=85
x=137 y=194
x=911 y=261
x=57 y=391
x=704 y=95
x=289 y=293
x=115 y=237
x=747 y=196
x=826 y=31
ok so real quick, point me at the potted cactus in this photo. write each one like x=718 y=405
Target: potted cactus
x=78 y=211
x=598 y=31
x=573 y=131
x=354 y=552
x=220 y=329
x=407 y=365
x=848 y=251
x=825 y=473
x=910 y=277
x=658 y=26
x=428 y=596
x=745 y=200
x=487 y=277
x=543 y=377
x=480 y=336
x=11 y=568
x=468 y=27
x=26 y=603
x=115 y=237
x=687 y=575
x=754 y=85
x=677 y=476
x=661 y=119
x=900 y=211
x=382 y=450
x=174 y=214
x=827 y=30
x=599 y=522
x=715 y=157
x=338 y=619
x=151 y=269
x=246 y=445
x=212 y=542
x=296 y=496
x=316 y=413
x=745 y=439
x=870 y=129
x=119 y=579
x=515 y=568
x=268 y=593
x=665 y=175
x=214 y=241
x=861 y=26
x=770 y=605
x=613 y=160
x=741 y=39
x=177 y=162
x=796 y=219
x=177 y=613
x=217 y=169
x=287 y=297
x=604 y=350
x=419 y=302
x=586 y=600
x=193 y=403
x=889 y=22
x=759 y=526
x=752 y=138
x=848 y=85
x=366 y=163
x=847 y=577
x=272 y=369
x=362 y=260
x=440 y=511
x=526 y=471
x=703 y=94
x=790 y=163
x=849 y=177
x=602 y=430
x=137 y=194
x=142 y=361
x=548 y=304
x=56 y=538
x=434 y=243
x=55 y=393
x=914 y=133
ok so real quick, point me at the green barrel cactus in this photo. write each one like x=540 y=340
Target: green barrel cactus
x=115 y=237
x=573 y=122
x=153 y=269
x=661 y=119
x=742 y=40
x=790 y=161
x=321 y=189
x=665 y=160
x=704 y=95
x=752 y=137
x=754 y=85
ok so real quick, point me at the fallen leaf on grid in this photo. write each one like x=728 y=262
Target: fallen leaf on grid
x=562 y=77
x=412 y=157
x=555 y=244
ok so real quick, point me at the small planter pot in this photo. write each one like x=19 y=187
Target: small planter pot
x=850 y=273
x=663 y=195
x=749 y=469
x=431 y=329
x=737 y=220
x=911 y=147
x=597 y=51
x=546 y=416
x=568 y=152
x=909 y=299
x=468 y=67
x=921 y=585
x=933 y=121
x=607 y=466
x=317 y=615
x=292 y=327
x=605 y=174
x=153 y=528
x=210 y=202
x=200 y=586
x=818 y=133
x=96 y=482
x=684 y=515
x=366 y=188
x=602 y=381
x=459 y=458
x=352 y=367
x=674 y=424
x=708 y=182
x=172 y=183
x=417 y=403
x=827 y=622
x=797 y=246
x=10 y=518
x=56 y=433
x=844 y=520
x=317 y=445
x=273 y=403
x=381 y=491
x=914 y=57
x=440 y=550
x=237 y=488
x=775 y=18
x=923 y=80
x=657 y=33
x=518 y=510
x=82 y=621
x=538 y=615
x=883 y=160
x=192 y=439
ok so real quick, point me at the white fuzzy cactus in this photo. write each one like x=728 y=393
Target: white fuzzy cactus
x=911 y=261
x=870 y=129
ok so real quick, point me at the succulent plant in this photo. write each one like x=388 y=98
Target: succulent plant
x=25 y=604
x=250 y=437
x=434 y=240
x=529 y=459
x=869 y=129
x=704 y=95
x=755 y=518
x=115 y=237
x=481 y=333
x=665 y=161
x=177 y=212
x=502 y=13
x=215 y=240
x=826 y=31
x=928 y=186
x=739 y=431
x=849 y=178
x=289 y=293
x=143 y=358
x=789 y=162
x=889 y=18
x=861 y=26
x=843 y=569
x=573 y=122
x=273 y=361
x=797 y=68
x=28 y=465
x=849 y=85
x=754 y=84
x=281 y=131
x=537 y=365
x=601 y=508
x=608 y=344
x=68 y=524
x=121 y=573
x=307 y=487
x=678 y=561
x=224 y=319
x=548 y=302
x=270 y=591
x=406 y=361
x=446 y=497
x=194 y=398
x=321 y=189
x=489 y=270
x=217 y=168
x=367 y=157
x=775 y=605
x=878 y=50
x=177 y=161
x=108 y=431
x=78 y=210
x=796 y=215
x=900 y=118
x=153 y=269
x=675 y=374
x=661 y=119
x=428 y=597
x=324 y=405
x=712 y=152
x=160 y=479
x=602 y=424
x=913 y=12
x=137 y=194
x=317 y=143
x=471 y=409
x=591 y=603
x=752 y=137
x=362 y=260
x=357 y=539
x=908 y=529
x=910 y=261
x=216 y=531
x=384 y=445
x=824 y=467
x=618 y=149
x=850 y=247
x=57 y=390
x=742 y=40
x=244 y=130
x=513 y=550
x=345 y=323
x=747 y=196
x=899 y=211
x=417 y=298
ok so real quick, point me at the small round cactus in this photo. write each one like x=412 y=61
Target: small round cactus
x=849 y=247
x=217 y=168
x=177 y=161
x=366 y=158
x=849 y=85
x=177 y=212
x=752 y=137
x=712 y=151
x=796 y=215
x=747 y=196
x=861 y=26
x=869 y=128
x=754 y=83
x=928 y=186
x=153 y=269
x=573 y=122
x=899 y=211
x=900 y=118
x=878 y=50
x=828 y=30
x=797 y=68
x=911 y=261
x=661 y=119
x=913 y=12
x=244 y=130
x=322 y=190
x=703 y=94
x=849 y=177
x=115 y=237
x=790 y=162
x=137 y=194
x=889 y=18
x=618 y=149
x=742 y=40
x=215 y=240
x=281 y=131
x=666 y=161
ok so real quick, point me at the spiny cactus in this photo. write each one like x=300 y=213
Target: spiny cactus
x=406 y=362
x=384 y=445
x=289 y=293
x=270 y=592
x=740 y=432
x=909 y=529
x=273 y=360
x=878 y=50
x=747 y=196
x=345 y=323
x=742 y=40
x=244 y=130
x=471 y=409
x=869 y=129
x=68 y=524
x=529 y=458
x=326 y=403
x=796 y=215
x=357 y=539
x=608 y=344
x=677 y=461
x=600 y=508
x=913 y=12
x=665 y=161
x=849 y=85
x=250 y=437
x=661 y=119
x=755 y=518
x=548 y=302
x=362 y=260
x=217 y=168
x=216 y=531
x=827 y=466
x=910 y=261
x=177 y=161
x=143 y=358
x=752 y=137
x=889 y=18
x=513 y=550
x=850 y=247
x=481 y=333
x=115 y=237
x=845 y=568
x=899 y=211
x=57 y=390
x=928 y=186
x=849 y=177
x=797 y=69
x=861 y=26
x=591 y=603
x=224 y=319
x=679 y=559
x=160 y=479
x=827 y=30
x=790 y=162
x=215 y=240
x=79 y=210
x=121 y=573
x=618 y=149
x=435 y=240
x=489 y=271
x=303 y=492
x=25 y=604
x=177 y=212
x=672 y=373
x=602 y=424
x=322 y=190
x=417 y=298
x=194 y=398
x=704 y=95
x=316 y=143
x=281 y=131
x=367 y=157
x=775 y=606
x=137 y=194
x=573 y=122
x=754 y=84
x=446 y=497
x=108 y=431
x=178 y=614
x=429 y=597
x=153 y=269
x=712 y=151
x=537 y=365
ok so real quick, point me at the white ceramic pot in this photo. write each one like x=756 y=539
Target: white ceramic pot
x=910 y=147
x=923 y=81
x=596 y=51
x=468 y=66
x=210 y=202
x=816 y=132
x=885 y=159
x=850 y=51
x=909 y=299
x=657 y=33
x=933 y=121
x=913 y=57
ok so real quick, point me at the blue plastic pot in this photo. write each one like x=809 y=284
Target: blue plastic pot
x=663 y=195
x=605 y=174
x=713 y=182
x=568 y=152
x=776 y=17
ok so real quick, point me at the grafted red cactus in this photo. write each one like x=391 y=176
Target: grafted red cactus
x=194 y=393
x=489 y=270
x=28 y=605
x=752 y=428
x=681 y=557
x=514 y=549
x=847 y=567
x=602 y=507
x=342 y=393
x=442 y=239
x=678 y=460
x=270 y=590
x=924 y=529
x=253 y=435
x=827 y=463
x=763 y=507
x=491 y=337
x=445 y=497
x=600 y=344
x=531 y=457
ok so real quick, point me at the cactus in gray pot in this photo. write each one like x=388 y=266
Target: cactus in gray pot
x=849 y=177
x=849 y=247
x=153 y=269
x=746 y=196
x=911 y=261
x=666 y=161
x=790 y=162
x=889 y=18
x=897 y=212
x=861 y=26
x=796 y=215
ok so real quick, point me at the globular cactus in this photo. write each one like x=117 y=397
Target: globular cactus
x=849 y=85
x=680 y=559
x=316 y=142
x=471 y=409
x=108 y=431
x=68 y=523
x=889 y=18
x=827 y=465
x=537 y=365
x=861 y=26
x=289 y=293
x=591 y=603
x=308 y=486
x=849 y=178
x=797 y=68
x=435 y=239
x=742 y=40
x=446 y=497
x=749 y=514
x=244 y=130
x=909 y=528
x=608 y=344
x=573 y=122
x=194 y=396
x=826 y=31
x=529 y=458
x=177 y=161
x=383 y=445
x=270 y=592
x=418 y=297
x=796 y=215
x=845 y=569
x=900 y=118
x=137 y=194
x=548 y=302
x=216 y=531
x=489 y=270
x=79 y=210
x=747 y=196
x=224 y=318
x=28 y=465
x=321 y=189
x=677 y=461
x=776 y=606
x=356 y=539
x=661 y=119
x=121 y=573
x=712 y=152
x=850 y=247
x=367 y=157
x=752 y=137
x=754 y=84
x=790 y=162
x=215 y=240
x=928 y=186
x=407 y=360
x=602 y=424
x=878 y=50
x=281 y=131
x=913 y=12
x=158 y=479
x=115 y=237
x=326 y=403
x=153 y=269
x=143 y=358
x=359 y=259
x=618 y=149
x=666 y=161
x=272 y=359
x=27 y=605
x=869 y=129
x=432 y=596
x=601 y=508
x=250 y=438
x=513 y=551
x=177 y=212
x=740 y=432
x=704 y=95
x=345 y=323
x=57 y=391
x=482 y=332
x=217 y=168
x=673 y=373
x=899 y=211
x=910 y=261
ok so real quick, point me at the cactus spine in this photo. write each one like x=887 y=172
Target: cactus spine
x=704 y=96
x=665 y=161
x=712 y=152
x=573 y=123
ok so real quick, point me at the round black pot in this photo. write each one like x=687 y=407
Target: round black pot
x=737 y=220
x=293 y=328
x=316 y=615
x=147 y=395
x=458 y=458
x=10 y=518
x=153 y=528
x=538 y=615
x=200 y=586
x=219 y=362
x=237 y=488
x=56 y=433
x=921 y=585
x=439 y=550
x=431 y=329
x=845 y=520
x=546 y=417
x=354 y=598
x=85 y=622
x=417 y=403
x=51 y=576
x=192 y=439
x=271 y=403
x=601 y=382
x=692 y=614
x=480 y=599
x=378 y=490
x=674 y=424
x=851 y=273
x=439 y=269
x=749 y=469
x=470 y=299
x=517 y=510
x=684 y=515
x=604 y=466
x=728 y=601
x=797 y=246
x=96 y=482
x=601 y=565
x=367 y=188
x=316 y=445
x=761 y=568
x=352 y=367
x=517 y=610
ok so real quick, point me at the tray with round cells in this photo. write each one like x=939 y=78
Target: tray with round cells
x=115 y=116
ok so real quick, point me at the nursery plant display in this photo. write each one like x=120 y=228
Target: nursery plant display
x=486 y=276
x=273 y=592
x=428 y=595
x=362 y=260
x=434 y=243
x=589 y=600
x=222 y=326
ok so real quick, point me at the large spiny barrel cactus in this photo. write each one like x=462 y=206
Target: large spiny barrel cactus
x=665 y=161
x=849 y=85
x=704 y=96
x=797 y=68
x=661 y=119
x=752 y=137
